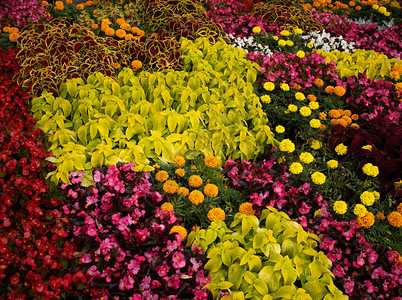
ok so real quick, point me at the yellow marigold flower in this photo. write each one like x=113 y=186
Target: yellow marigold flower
x=292 y=108
x=381 y=216
x=280 y=129
x=211 y=190
x=80 y=6
x=216 y=214
x=181 y=172
x=296 y=168
x=395 y=219
x=120 y=21
x=179 y=161
x=275 y=37
x=211 y=161
x=398 y=185
x=167 y=206
x=266 y=99
x=322 y=116
x=360 y=210
x=333 y=164
x=318 y=178
x=339 y=91
x=315 y=145
x=382 y=10
x=341 y=149
x=370 y=170
x=305 y=111
x=183 y=191
x=318 y=212
x=121 y=33
x=162 y=176
x=256 y=29
x=375 y=6
x=110 y=32
x=196 y=197
x=170 y=186
x=269 y=86
x=195 y=181
x=298 y=31
x=315 y=123
x=247 y=208
x=13 y=37
x=180 y=230
x=340 y=207
x=329 y=89
x=286 y=145
x=376 y=195
x=136 y=64
x=366 y=221
x=310 y=45
x=306 y=158
x=367 y=198
x=285 y=87
x=300 y=96
x=289 y=43
x=285 y=33
x=300 y=54
x=313 y=105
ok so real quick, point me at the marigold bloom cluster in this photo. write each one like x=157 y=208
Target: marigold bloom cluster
x=296 y=168
x=367 y=198
x=269 y=86
x=179 y=160
x=366 y=221
x=211 y=190
x=395 y=219
x=211 y=161
x=280 y=129
x=360 y=210
x=306 y=157
x=180 y=230
x=305 y=111
x=195 y=181
x=370 y=170
x=162 y=176
x=247 y=208
x=287 y=145
x=341 y=149
x=167 y=206
x=318 y=178
x=181 y=172
x=216 y=214
x=170 y=187
x=183 y=191
x=340 y=207
x=333 y=164
x=196 y=197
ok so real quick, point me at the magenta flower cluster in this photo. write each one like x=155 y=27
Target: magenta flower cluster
x=124 y=242
x=362 y=270
x=21 y=12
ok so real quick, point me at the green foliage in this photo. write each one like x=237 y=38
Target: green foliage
x=376 y=65
x=212 y=109
x=270 y=257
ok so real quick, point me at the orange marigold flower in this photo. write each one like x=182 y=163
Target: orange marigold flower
x=162 y=176
x=88 y=3
x=334 y=114
x=395 y=219
x=110 y=32
x=318 y=82
x=347 y=119
x=347 y=113
x=380 y=216
x=167 y=206
x=125 y=26
x=196 y=197
x=80 y=6
x=394 y=75
x=399 y=208
x=322 y=116
x=120 y=21
x=195 y=181
x=69 y=1
x=94 y=26
x=128 y=37
x=329 y=89
x=311 y=97
x=358 y=7
x=354 y=125
x=216 y=214
x=140 y=32
x=180 y=230
x=179 y=161
x=116 y=65
x=120 y=33
x=170 y=187
x=6 y=29
x=195 y=228
x=354 y=117
x=352 y=3
x=136 y=64
x=13 y=36
x=13 y=30
x=339 y=91
x=134 y=30
x=367 y=221
x=247 y=208
x=211 y=190
x=296 y=87
x=211 y=161
x=183 y=191
x=342 y=122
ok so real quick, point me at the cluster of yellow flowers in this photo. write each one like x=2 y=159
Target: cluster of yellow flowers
x=370 y=170
x=318 y=178
x=296 y=168
x=341 y=149
x=287 y=145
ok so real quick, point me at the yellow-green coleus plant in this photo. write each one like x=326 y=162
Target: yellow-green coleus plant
x=208 y=107
x=376 y=65
x=270 y=257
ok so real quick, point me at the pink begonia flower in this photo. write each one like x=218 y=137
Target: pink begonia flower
x=178 y=260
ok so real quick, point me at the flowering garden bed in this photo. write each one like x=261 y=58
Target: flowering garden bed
x=215 y=149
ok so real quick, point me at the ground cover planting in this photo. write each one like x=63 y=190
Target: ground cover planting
x=215 y=149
